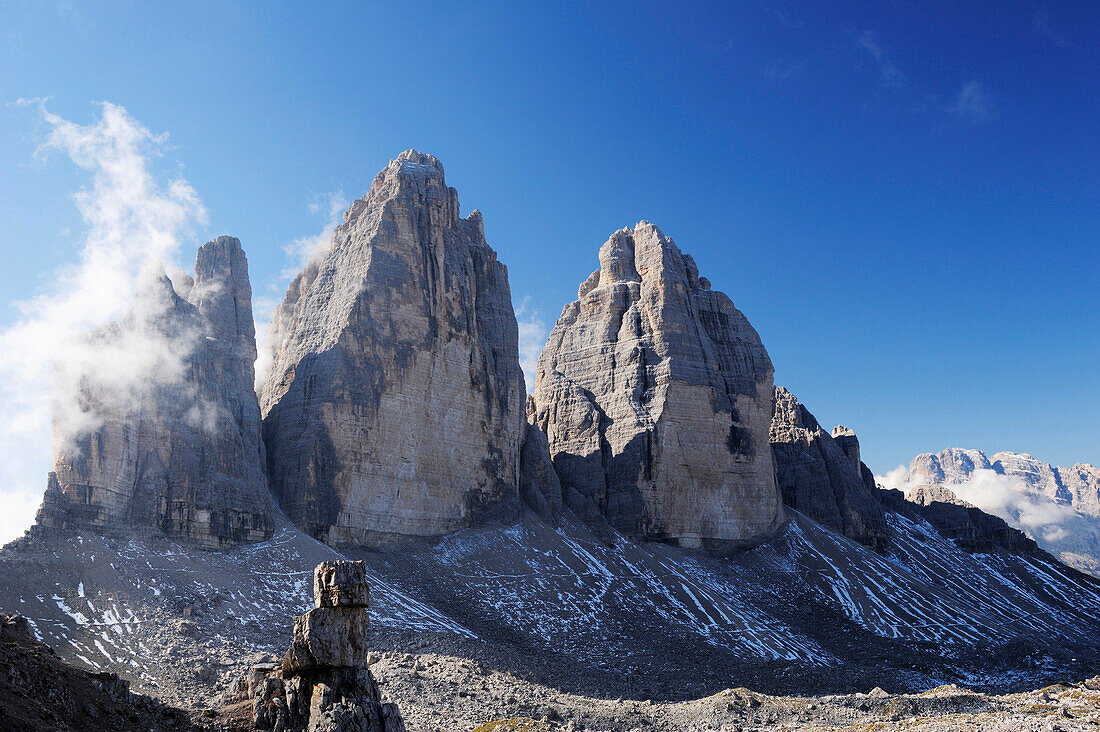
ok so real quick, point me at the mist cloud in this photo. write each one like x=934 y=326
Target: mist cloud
x=300 y=253
x=1006 y=497
x=63 y=338
x=532 y=337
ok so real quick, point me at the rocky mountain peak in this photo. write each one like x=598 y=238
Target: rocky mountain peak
x=655 y=396
x=223 y=294
x=177 y=450
x=821 y=475
x=395 y=403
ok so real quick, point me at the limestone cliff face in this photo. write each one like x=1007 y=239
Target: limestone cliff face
x=180 y=455
x=655 y=395
x=821 y=474
x=395 y=403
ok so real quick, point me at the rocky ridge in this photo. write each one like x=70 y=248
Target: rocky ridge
x=655 y=395
x=821 y=474
x=395 y=404
x=180 y=456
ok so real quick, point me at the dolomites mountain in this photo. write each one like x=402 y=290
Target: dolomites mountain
x=821 y=474
x=1057 y=507
x=655 y=395
x=395 y=404
x=179 y=455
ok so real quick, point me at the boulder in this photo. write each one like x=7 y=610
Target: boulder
x=341 y=584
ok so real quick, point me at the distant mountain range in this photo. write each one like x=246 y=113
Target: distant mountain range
x=1057 y=507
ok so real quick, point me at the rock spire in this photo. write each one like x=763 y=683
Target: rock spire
x=395 y=404
x=655 y=394
x=178 y=454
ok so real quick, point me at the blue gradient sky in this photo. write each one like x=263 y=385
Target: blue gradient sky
x=903 y=200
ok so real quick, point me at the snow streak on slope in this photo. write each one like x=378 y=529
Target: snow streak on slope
x=809 y=605
x=927 y=589
x=576 y=595
x=146 y=607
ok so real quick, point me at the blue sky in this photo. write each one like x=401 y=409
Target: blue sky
x=902 y=197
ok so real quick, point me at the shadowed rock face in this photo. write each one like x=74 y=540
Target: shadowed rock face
x=655 y=395
x=395 y=403
x=180 y=455
x=972 y=529
x=821 y=475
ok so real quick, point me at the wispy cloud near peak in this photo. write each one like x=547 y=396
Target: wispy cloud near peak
x=974 y=103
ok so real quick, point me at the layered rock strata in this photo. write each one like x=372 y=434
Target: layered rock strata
x=324 y=683
x=655 y=395
x=177 y=450
x=395 y=405
x=1077 y=486
x=821 y=474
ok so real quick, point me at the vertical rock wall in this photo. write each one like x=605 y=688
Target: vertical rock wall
x=395 y=404
x=655 y=394
x=182 y=455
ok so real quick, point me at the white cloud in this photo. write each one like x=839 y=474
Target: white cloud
x=1006 y=497
x=974 y=104
x=895 y=479
x=134 y=226
x=889 y=74
x=532 y=337
x=300 y=253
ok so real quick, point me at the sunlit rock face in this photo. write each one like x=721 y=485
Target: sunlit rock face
x=177 y=451
x=395 y=404
x=821 y=474
x=656 y=395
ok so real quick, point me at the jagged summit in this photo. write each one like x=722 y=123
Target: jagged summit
x=655 y=395
x=821 y=475
x=174 y=449
x=394 y=407
x=1059 y=507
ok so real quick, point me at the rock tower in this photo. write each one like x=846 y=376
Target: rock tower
x=395 y=405
x=821 y=474
x=655 y=395
x=324 y=683
x=182 y=456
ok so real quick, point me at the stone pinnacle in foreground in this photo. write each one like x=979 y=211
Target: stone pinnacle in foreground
x=324 y=683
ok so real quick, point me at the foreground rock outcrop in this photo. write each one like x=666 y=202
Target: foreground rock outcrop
x=395 y=405
x=324 y=683
x=40 y=693
x=821 y=474
x=655 y=395
x=178 y=453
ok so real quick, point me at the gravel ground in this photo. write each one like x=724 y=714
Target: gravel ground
x=438 y=693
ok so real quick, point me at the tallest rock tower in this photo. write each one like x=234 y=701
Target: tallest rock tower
x=395 y=404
